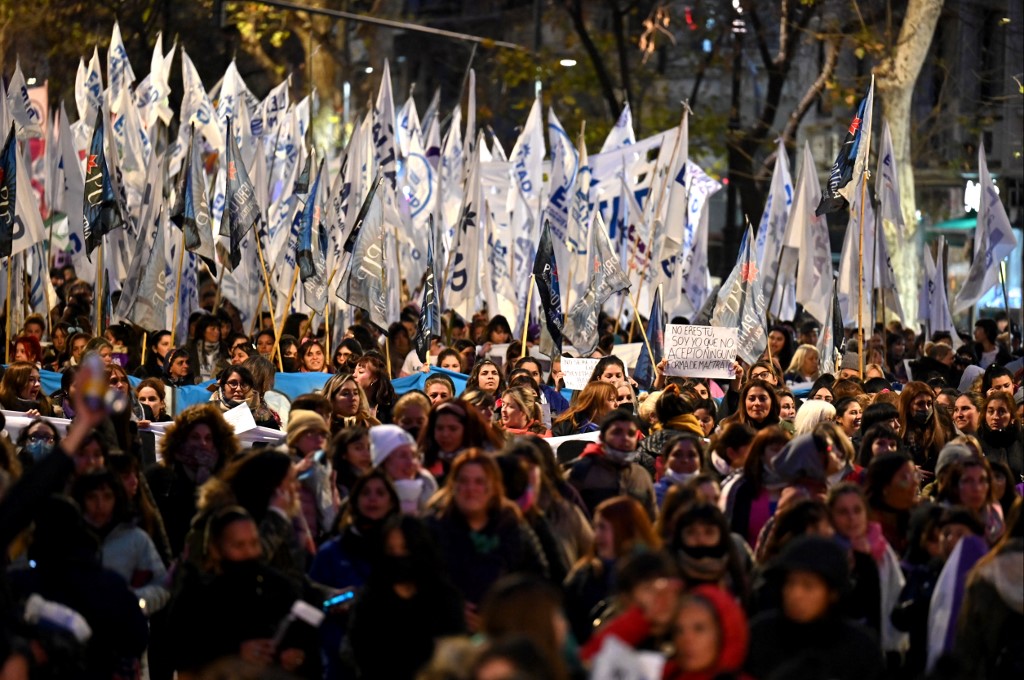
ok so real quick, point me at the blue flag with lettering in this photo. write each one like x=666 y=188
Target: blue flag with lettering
x=8 y=194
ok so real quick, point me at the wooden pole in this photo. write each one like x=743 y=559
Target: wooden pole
x=259 y=310
x=99 y=290
x=647 y=342
x=177 y=292
x=7 y=330
x=220 y=280
x=270 y=302
x=526 y=314
x=860 y=275
x=145 y=335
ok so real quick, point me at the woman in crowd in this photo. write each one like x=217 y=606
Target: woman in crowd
x=481 y=535
x=22 y=391
x=706 y=412
x=758 y=406
x=811 y=414
x=780 y=343
x=126 y=549
x=848 y=416
x=876 y=572
x=150 y=394
x=349 y=403
x=36 y=442
x=393 y=450
x=307 y=435
x=922 y=427
x=233 y=604
x=749 y=499
x=452 y=427
x=345 y=560
x=728 y=449
x=787 y=404
x=207 y=354
x=1000 y=432
x=265 y=341
x=609 y=369
x=350 y=457
x=192 y=450
x=28 y=349
x=675 y=417
x=706 y=552
x=450 y=360
x=141 y=506
x=621 y=528
x=891 y=492
x=346 y=355
x=520 y=414
x=411 y=412
x=234 y=388
x=486 y=377
x=312 y=358
x=407 y=597
x=372 y=376
x=158 y=350
x=587 y=409
x=803 y=368
x=808 y=636
x=967 y=411
x=968 y=482
x=682 y=456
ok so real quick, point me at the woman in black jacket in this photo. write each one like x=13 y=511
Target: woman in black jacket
x=407 y=602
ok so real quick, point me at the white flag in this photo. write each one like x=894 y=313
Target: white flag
x=622 y=134
x=119 y=70
x=887 y=182
x=89 y=88
x=28 y=122
x=807 y=233
x=151 y=95
x=993 y=241
x=856 y=280
x=463 y=285
x=934 y=295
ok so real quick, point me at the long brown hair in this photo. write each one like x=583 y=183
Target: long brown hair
x=934 y=435
x=631 y=527
x=445 y=498
x=15 y=379
x=588 y=403
x=753 y=467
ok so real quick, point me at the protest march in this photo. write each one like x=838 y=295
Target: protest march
x=415 y=407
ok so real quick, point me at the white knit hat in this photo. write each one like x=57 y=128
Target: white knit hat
x=386 y=438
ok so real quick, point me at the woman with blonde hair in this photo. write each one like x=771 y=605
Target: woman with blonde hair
x=805 y=366
x=348 y=403
x=521 y=414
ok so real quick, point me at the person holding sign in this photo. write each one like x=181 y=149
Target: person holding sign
x=607 y=469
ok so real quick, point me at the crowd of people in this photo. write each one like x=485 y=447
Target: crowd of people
x=784 y=524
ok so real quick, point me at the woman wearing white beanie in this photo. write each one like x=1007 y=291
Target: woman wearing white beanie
x=393 y=450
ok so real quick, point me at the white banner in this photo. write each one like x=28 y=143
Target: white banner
x=700 y=351
x=576 y=372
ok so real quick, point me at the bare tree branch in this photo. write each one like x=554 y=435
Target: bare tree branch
x=575 y=11
x=813 y=92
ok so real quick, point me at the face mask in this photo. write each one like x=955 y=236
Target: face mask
x=38 y=450
x=618 y=455
x=921 y=417
x=414 y=431
x=703 y=563
x=198 y=460
x=242 y=570
x=679 y=477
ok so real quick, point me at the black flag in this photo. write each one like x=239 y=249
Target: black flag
x=102 y=211
x=8 y=194
x=545 y=271
x=242 y=210
x=430 y=309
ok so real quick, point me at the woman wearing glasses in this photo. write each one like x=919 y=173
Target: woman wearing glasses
x=235 y=387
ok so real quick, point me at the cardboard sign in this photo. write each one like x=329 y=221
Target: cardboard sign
x=576 y=372
x=700 y=351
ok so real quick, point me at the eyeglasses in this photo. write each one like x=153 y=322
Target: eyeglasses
x=761 y=375
x=115 y=381
x=237 y=385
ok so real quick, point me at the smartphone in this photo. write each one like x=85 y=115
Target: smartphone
x=340 y=598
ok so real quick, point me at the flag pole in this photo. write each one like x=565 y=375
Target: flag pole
x=99 y=289
x=145 y=334
x=526 y=314
x=1002 y=282
x=177 y=291
x=647 y=342
x=860 y=277
x=256 y=317
x=270 y=301
x=7 y=330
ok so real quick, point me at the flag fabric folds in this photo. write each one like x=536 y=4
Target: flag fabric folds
x=832 y=338
x=103 y=212
x=993 y=241
x=741 y=303
x=191 y=212
x=604 y=278
x=242 y=212
x=8 y=194
x=851 y=159
x=644 y=372
x=363 y=284
x=545 y=271
x=430 y=309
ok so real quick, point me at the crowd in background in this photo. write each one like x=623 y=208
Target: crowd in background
x=784 y=524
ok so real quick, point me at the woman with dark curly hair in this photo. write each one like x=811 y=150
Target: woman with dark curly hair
x=194 y=448
x=486 y=377
x=452 y=427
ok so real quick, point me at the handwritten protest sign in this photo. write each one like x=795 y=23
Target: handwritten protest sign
x=700 y=351
x=576 y=372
